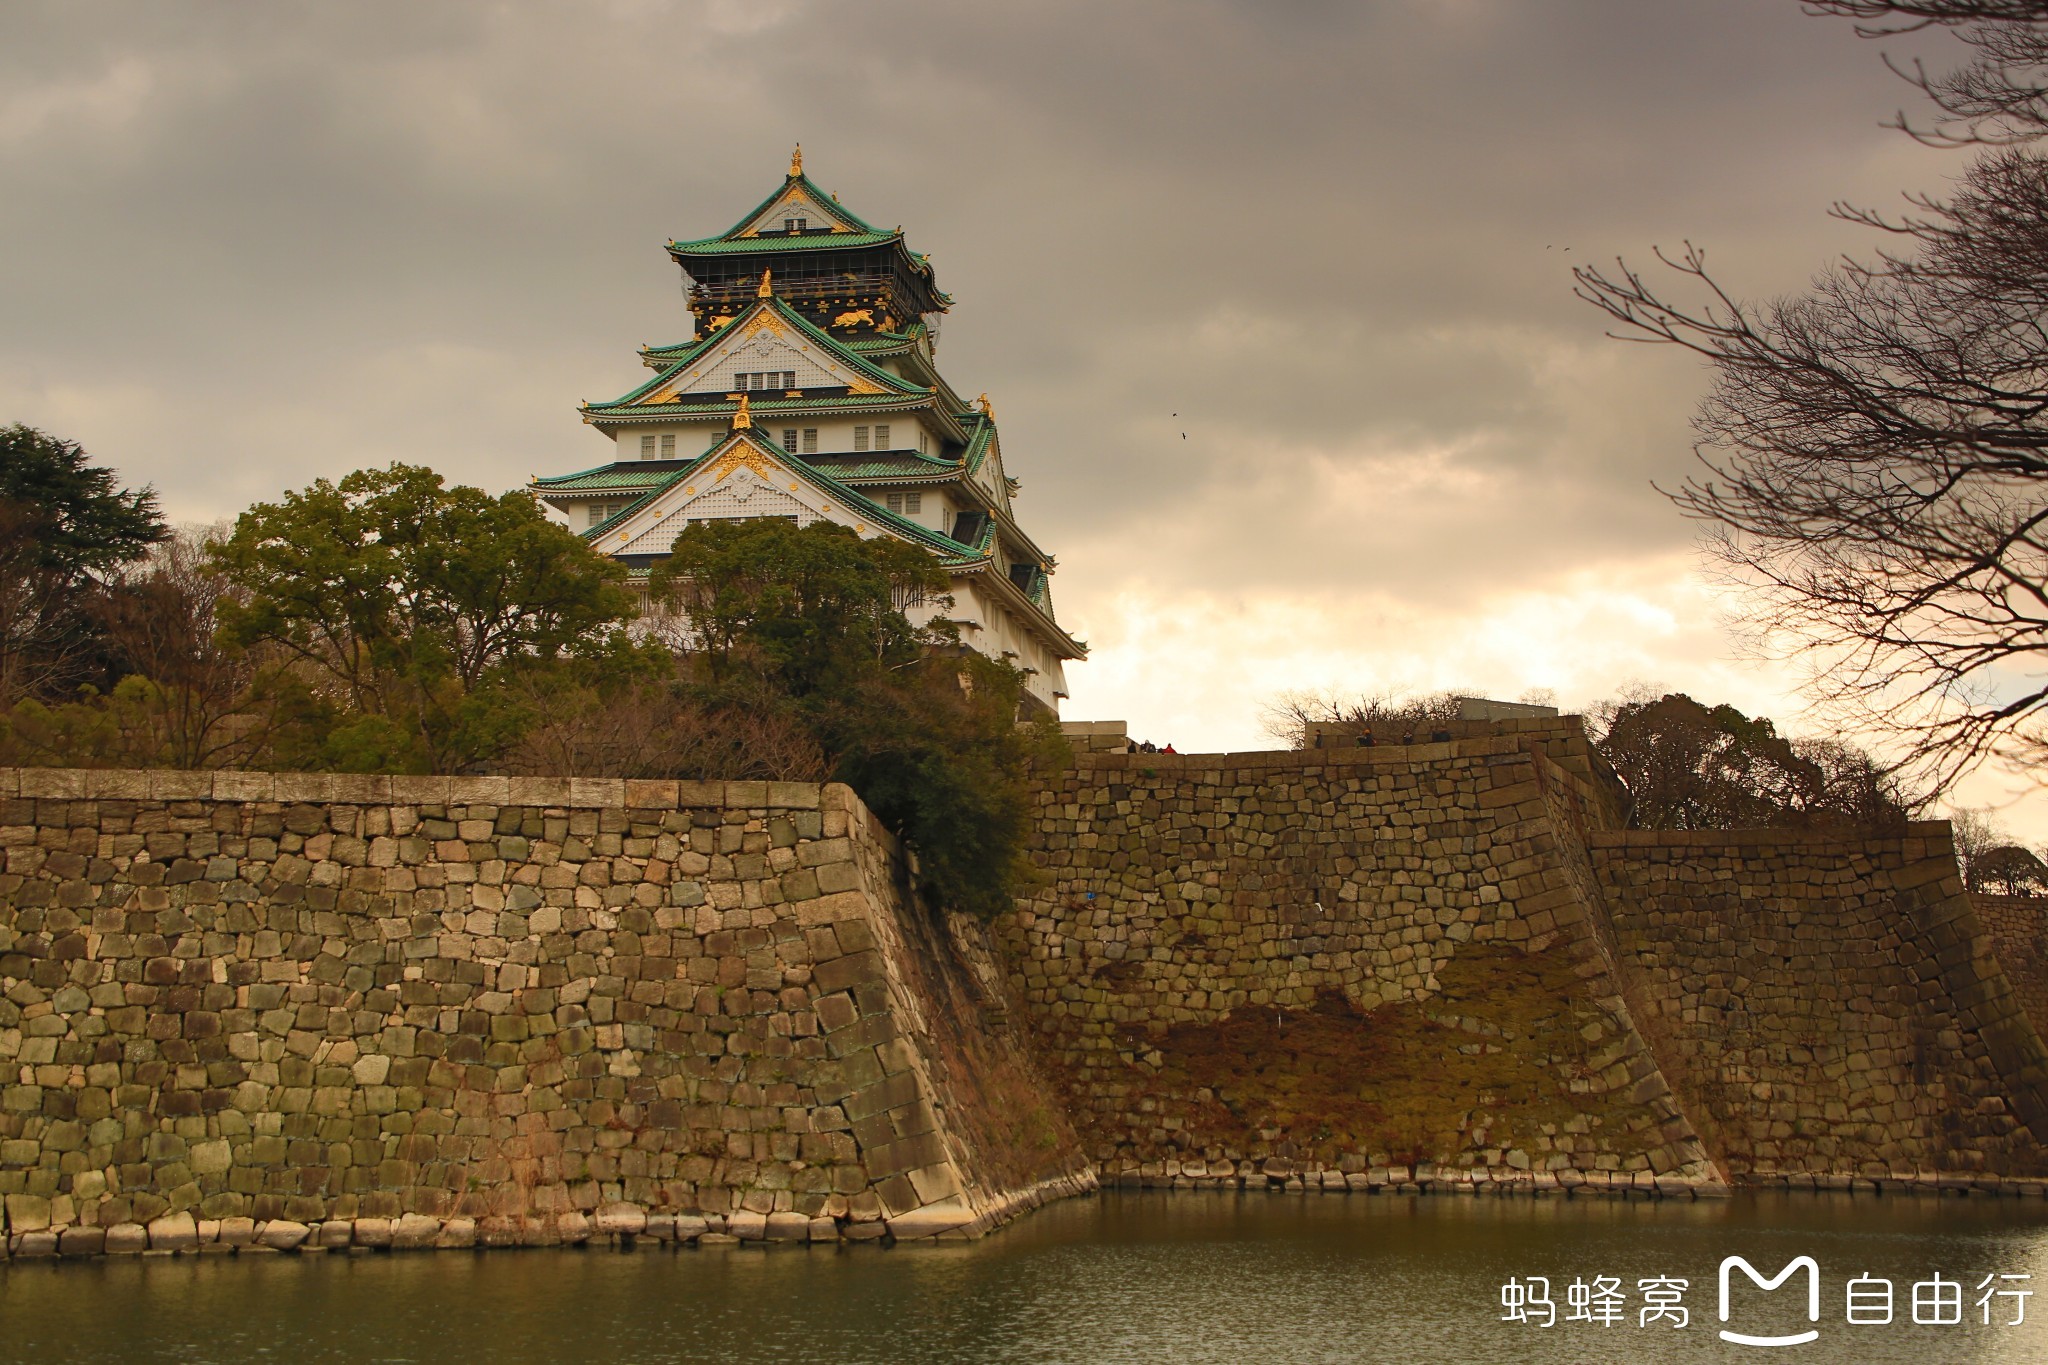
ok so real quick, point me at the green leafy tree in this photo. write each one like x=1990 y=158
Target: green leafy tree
x=65 y=525
x=1690 y=766
x=804 y=610
x=805 y=623
x=935 y=750
x=410 y=601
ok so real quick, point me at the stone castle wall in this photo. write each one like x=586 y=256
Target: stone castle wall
x=1829 y=1008
x=249 y=1008
x=1216 y=929
x=1242 y=963
x=2019 y=935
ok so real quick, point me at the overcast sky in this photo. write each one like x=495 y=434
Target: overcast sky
x=1273 y=297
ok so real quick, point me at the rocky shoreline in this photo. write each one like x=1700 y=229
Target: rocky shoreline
x=627 y=1226
x=621 y=1225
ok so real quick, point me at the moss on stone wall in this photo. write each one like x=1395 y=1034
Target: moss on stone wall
x=1501 y=1067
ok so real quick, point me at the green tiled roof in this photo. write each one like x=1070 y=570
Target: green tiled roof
x=622 y=411
x=887 y=342
x=951 y=552
x=607 y=477
x=852 y=229
x=810 y=241
x=681 y=352
x=846 y=216
x=878 y=343
x=893 y=464
x=628 y=404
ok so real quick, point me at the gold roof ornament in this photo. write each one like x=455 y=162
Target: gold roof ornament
x=742 y=417
x=988 y=409
x=767 y=289
x=796 y=161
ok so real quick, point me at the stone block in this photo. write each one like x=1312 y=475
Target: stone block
x=480 y=791
x=897 y=1195
x=415 y=1231
x=652 y=795
x=240 y=786
x=27 y=1213
x=855 y=969
x=33 y=1246
x=168 y=784
x=787 y=1227
x=127 y=1239
x=419 y=791
x=599 y=792
x=81 y=1241
x=174 y=1232
x=538 y=791
x=614 y=1220
x=283 y=1234
x=950 y=1215
x=934 y=1183
x=56 y=784
x=793 y=796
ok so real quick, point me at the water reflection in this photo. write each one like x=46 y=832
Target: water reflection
x=1185 y=1278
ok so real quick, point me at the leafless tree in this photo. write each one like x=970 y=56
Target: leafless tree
x=1999 y=97
x=204 y=699
x=647 y=731
x=1391 y=715
x=1875 y=450
x=1976 y=834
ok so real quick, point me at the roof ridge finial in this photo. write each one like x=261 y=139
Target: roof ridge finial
x=767 y=289
x=742 y=417
x=796 y=161
x=988 y=409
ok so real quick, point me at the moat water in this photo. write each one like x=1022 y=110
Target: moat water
x=1182 y=1278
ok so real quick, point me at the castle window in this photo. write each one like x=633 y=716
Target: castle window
x=789 y=439
x=647 y=446
x=810 y=440
x=913 y=502
x=668 y=445
x=860 y=438
x=882 y=437
x=895 y=502
x=922 y=434
x=602 y=512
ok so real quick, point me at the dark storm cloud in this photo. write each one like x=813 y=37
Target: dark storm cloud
x=250 y=244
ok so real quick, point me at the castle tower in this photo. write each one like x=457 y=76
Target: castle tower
x=810 y=391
